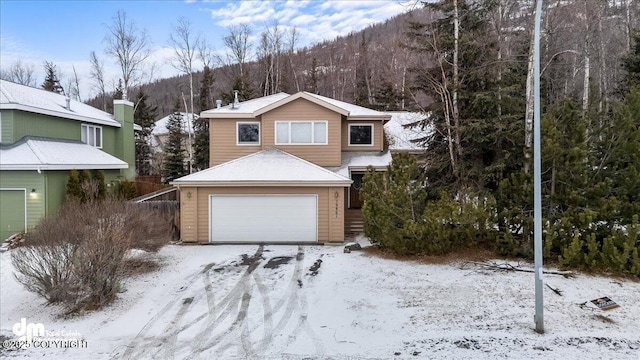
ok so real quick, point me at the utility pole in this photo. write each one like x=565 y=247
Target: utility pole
x=537 y=167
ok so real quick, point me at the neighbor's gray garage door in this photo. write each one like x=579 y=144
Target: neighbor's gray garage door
x=263 y=218
x=12 y=212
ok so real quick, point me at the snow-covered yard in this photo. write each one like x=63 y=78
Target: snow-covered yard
x=315 y=302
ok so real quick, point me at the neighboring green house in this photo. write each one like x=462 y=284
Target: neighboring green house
x=44 y=135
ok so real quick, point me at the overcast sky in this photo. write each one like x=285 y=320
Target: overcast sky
x=65 y=32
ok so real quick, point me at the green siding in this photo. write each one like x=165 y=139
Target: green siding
x=12 y=207
x=26 y=123
x=51 y=192
x=17 y=124
x=56 y=190
x=125 y=149
x=27 y=180
x=6 y=124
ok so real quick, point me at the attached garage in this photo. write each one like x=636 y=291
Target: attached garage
x=267 y=197
x=263 y=218
x=13 y=206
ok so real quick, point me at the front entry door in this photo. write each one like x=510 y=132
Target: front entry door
x=354 y=191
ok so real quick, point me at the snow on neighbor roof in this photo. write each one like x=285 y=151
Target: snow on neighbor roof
x=266 y=166
x=38 y=153
x=20 y=97
x=360 y=160
x=246 y=107
x=400 y=135
x=161 y=125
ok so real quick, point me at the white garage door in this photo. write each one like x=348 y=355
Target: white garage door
x=263 y=218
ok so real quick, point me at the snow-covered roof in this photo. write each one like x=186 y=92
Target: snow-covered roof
x=351 y=109
x=245 y=108
x=401 y=135
x=271 y=166
x=38 y=153
x=20 y=97
x=160 y=127
x=360 y=160
x=255 y=107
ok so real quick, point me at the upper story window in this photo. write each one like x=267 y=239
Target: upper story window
x=360 y=134
x=91 y=135
x=248 y=133
x=301 y=133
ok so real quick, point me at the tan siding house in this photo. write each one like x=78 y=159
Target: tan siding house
x=283 y=169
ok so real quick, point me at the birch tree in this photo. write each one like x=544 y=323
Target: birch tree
x=97 y=74
x=129 y=46
x=185 y=46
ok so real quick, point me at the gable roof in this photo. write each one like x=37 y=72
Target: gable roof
x=39 y=153
x=259 y=106
x=245 y=109
x=160 y=127
x=353 y=111
x=403 y=131
x=272 y=167
x=20 y=97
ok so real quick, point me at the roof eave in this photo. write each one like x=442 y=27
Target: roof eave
x=21 y=107
x=370 y=117
x=340 y=183
x=63 y=167
x=233 y=115
x=301 y=95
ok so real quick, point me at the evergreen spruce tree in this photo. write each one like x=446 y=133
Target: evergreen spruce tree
x=174 y=159
x=118 y=93
x=51 y=82
x=361 y=96
x=312 y=86
x=242 y=83
x=387 y=98
x=73 y=185
x=98 y=177
x=144 y=115
x=394 y=203
x=201 y=126
x=631 y=64
x=487 y=132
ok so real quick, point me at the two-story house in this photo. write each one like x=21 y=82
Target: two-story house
x=284 y=168
x=44 y=135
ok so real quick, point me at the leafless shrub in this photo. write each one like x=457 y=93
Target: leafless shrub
x=77 y=257
x=138 y=266
x=152 y=228
x=90 y=189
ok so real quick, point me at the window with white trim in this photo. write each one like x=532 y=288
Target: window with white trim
x=91 y=135
x=360 y=134
x=301 y=132
x=248 y=133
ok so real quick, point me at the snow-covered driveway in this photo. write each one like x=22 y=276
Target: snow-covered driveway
x=315 y=302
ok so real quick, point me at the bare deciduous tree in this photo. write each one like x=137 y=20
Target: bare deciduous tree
x=97 y=73
x=129 y=46
x=20 y=73
x=237 y=41
x=185 y=46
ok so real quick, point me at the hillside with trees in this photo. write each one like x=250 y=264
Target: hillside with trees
x=476 y=187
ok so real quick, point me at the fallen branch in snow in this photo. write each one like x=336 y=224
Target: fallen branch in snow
x=555 y=290
x=508 y=267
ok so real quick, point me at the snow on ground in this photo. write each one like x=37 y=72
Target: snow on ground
x=316 y=302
